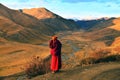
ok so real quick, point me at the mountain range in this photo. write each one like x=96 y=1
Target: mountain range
x=101 y=29
x=37 y=24
x=21 y=29
x=30 y=25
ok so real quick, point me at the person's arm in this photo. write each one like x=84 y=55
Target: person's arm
x=52 y=44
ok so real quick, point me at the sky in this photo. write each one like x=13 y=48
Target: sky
x=77 y=9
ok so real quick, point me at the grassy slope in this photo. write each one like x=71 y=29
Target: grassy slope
x=17 y=26
x=54 y=21
x=105 y=31
x=24 y=27
x=14 y=55
x=71 y=42
x=104 y=71
x=93 y=72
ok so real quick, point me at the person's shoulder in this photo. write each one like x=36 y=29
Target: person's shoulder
x=59 y=41
x=51 y=41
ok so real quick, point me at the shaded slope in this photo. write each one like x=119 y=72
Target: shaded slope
x=104 y=31
x=18 y=26
x=108 y=32
x=37 y=25
x=56 y=22
x=12 y=31
x=85 y=73
x=95 y=24
x=107 y=35
x=60 y=24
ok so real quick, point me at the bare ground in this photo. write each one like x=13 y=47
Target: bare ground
x=104 y=71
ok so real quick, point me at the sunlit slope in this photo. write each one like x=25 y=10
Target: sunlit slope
x=13 y=56
x=116 y=25
x=56 y=22
x=105 y=31
x=17 y=26
x=40 y=13
x=116 y=46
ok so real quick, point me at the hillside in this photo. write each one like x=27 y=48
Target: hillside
x=25 y=33
x=18 y=26
x=104 y=71
x=95 y=23
x=108 y=71
x=40 y=13
x=116 y=25
x=102 y=29
x=116 y=46
x=56 y=22
x=27 y=28
x=13 y=56
x=19 y=31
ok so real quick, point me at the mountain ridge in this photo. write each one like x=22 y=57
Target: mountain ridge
x=40 y=13
x=32 y=28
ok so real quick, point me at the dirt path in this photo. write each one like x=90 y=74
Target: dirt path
x=107 y=71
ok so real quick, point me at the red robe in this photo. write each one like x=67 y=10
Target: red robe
x=55 y=51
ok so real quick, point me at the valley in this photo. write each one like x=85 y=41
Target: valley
x=26 y=34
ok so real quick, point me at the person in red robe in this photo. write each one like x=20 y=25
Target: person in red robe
x=55 y=50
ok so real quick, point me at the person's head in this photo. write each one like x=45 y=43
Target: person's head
x=54 y=37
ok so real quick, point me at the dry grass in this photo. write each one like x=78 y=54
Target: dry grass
x=87 y=61
x=96 y=56
x=110 y=58
x=14 y=55
x=101 y=53
x=115 y=47
x=36 y=66
x=116 y=25
x=93 y=60
x=40 y=13
x=92 y=52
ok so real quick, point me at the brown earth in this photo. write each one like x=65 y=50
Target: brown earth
x=94 y=72
x=103 y=71
x=13 y=56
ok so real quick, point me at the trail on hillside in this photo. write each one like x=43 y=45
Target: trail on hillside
x=107 y=71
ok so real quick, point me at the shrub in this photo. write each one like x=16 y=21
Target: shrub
x=87 y=61
x=92 y=60
x=109 y=58
x=36 y=66
x=101 y=53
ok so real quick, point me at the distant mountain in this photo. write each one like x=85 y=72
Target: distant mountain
x=21 y=27
x=47 y=17
x=18 y=25
x=89 y=24
x=40 y=13
x=103 y=30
